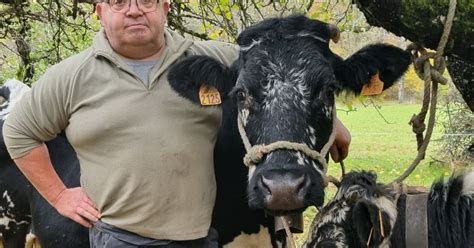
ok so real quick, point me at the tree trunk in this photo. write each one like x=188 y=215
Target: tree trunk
x=422 y=21
x=401 y=90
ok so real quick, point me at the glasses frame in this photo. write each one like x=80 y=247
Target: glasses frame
x=126 y=9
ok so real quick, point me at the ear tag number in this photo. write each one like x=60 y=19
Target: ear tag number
x=209 y=96
x=374 y=87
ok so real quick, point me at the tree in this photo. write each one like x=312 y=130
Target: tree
x=42 y=33
x=423 y=21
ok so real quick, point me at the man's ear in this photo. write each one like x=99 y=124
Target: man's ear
x=387 y=62
x=166 y=7
x=188 y=76
x=371 y=224
x=98 y=11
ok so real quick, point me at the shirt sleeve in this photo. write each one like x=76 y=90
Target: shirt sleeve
x=39 y=116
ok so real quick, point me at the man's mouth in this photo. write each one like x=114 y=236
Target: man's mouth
x=136 y=25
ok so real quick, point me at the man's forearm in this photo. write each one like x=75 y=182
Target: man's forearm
x=37 y=167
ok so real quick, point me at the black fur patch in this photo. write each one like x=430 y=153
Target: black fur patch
x=187 y=76
x=366 y=219
x=450 y=215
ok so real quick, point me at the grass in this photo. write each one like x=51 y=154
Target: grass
x=385 y=148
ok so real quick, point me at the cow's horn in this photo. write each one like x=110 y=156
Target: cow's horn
x=334 y=32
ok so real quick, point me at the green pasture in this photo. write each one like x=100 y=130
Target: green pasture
x=383 y=141
x=386 y=147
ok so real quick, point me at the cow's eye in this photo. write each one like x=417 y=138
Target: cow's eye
x=241 y=96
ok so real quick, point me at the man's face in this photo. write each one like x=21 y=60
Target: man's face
x=133 y=27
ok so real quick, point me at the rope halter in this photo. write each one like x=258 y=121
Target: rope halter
x=256 y=153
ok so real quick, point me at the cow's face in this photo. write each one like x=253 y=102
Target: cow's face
x=283 y=85
x=285 y=92
x=359 y=208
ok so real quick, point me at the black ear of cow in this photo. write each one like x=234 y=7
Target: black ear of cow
x=388 y=61
x=187 y=76
x=366 y=220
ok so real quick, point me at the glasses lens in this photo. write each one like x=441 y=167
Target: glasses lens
x=123 y=6
x=119 y=5
x=147 y=5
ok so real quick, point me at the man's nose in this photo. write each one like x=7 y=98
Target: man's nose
x=134 y=9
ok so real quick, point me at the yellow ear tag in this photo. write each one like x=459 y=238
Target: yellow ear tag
x=209 y=96
x=374 y=87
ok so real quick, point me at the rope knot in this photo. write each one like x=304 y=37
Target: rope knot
x=417 y=124
x=254 y=155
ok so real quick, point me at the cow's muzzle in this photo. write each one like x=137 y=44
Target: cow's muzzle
x=283 y=191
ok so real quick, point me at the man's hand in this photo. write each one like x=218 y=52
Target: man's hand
x=76 y=205
x=340 y=148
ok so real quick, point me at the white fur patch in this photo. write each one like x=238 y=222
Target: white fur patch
x=17 y=90
x=254 y=43
x=6 y=217
x=32 y=241
x=300 y=158
x=285 y=88
x=244 y=114
x=257 y=240
x=9 y=200
x=468 y=184
x=304 y=34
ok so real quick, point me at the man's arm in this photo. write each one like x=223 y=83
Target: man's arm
x=72 y=203
x=340 y=148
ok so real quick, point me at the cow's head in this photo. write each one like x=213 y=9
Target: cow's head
x=361 y=210
x=284 y=84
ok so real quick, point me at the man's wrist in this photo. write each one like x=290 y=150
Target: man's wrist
x=57 y=196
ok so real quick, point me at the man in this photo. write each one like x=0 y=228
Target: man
x=134 y=136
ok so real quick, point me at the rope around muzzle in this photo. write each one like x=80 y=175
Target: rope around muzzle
x=255 y=154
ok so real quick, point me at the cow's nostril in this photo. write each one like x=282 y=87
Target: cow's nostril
x=265 y=185
x=301 y=183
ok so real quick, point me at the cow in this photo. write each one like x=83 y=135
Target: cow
x=364 y=213
x=282 y=90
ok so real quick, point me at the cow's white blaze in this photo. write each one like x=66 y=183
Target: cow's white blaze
x=257 y=240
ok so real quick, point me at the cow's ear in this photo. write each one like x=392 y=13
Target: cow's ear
x=188 y=76
x=371 y=224
x=379 y=61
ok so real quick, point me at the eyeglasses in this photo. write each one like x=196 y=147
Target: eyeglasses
x=122 y=6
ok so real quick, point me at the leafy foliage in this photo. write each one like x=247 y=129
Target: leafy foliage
x=37 y=34
x=457 y=142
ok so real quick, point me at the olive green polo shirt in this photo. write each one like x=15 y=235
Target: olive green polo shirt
x=146 y=153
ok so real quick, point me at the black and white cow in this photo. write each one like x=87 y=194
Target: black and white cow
x=355 y=216
x=22 y=208
x=282 y=89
